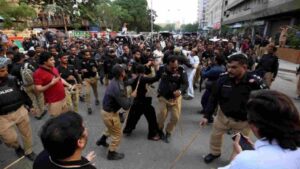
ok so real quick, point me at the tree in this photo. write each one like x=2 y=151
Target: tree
x=77 y=10
x=16 y=16
x=157 y=28
x=169 y=27
x=139 y=16
x=109 y=15
x=190 y=27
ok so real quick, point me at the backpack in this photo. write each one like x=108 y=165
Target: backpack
x=27 y=75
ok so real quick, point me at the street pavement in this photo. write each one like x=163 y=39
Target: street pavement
x=141 y=153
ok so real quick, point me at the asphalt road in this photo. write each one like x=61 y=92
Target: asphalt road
x=141 y=153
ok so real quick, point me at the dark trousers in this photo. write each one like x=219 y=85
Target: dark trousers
x=205 y=98
x=137 y=110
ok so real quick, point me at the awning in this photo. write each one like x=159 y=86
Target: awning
x=237 y=25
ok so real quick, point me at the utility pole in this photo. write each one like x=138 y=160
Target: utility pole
x=152 y=21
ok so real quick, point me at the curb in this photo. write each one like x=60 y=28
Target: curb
x=287 y=70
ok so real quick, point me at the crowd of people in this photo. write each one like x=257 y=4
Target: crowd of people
x=55 y=74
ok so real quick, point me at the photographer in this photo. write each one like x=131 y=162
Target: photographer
x=275 y=121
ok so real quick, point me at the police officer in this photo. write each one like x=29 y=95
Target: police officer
x=127 y=56
x=114 y=99
x=142 y=105
x=109 y=61
x=89 y=75
x=268 y=65
x=70 y=75
x=231 y=94
x=14 y=114
x=171 y=87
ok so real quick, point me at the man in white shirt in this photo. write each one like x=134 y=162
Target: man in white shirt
x=194 y=61
x=275 y=121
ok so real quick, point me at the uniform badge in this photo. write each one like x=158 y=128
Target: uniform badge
x=251 y=81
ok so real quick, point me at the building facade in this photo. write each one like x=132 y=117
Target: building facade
x=214 y=14
x=202 y=7
x=264 y=16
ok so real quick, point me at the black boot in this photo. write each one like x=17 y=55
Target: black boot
x=97 y=102
x=127 y=131
x=210 y=157
x=102 y=141
x=81 y=98
x=90 y=111
x=161 y=134
x=167 y=137
x=31 y=156
x=112 y=155
x=19 y=151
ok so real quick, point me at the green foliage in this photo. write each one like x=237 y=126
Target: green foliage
x=139 y=16
x=190 y=27
x=105 y=13
x=157 y=28
x=293 y=39
x=169 y=27
x=16 y=16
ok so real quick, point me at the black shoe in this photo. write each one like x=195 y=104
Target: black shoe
x=20 y=151
x=210 y=120
x=161 y=134
x=31 y=156
x=81 y=98
x=97 y=102
x=41 y=116
x=122 y=118
x=167 y=137
x=112 y=155
x=90 y=111
x=127 y=131
x=102 y=141
x=209 y=158
x=154 y=138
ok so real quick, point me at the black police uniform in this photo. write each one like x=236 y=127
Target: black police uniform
x=65 y=72
x=11 y=97
x=142 y=105
x=89 y=65
x=267 y=63
x=233 y=97
x=171 y=82
x=108 y=64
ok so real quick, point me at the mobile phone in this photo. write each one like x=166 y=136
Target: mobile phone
x=243 y=142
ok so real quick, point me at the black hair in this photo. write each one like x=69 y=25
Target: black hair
x=17 y=57
x=44 y=57
x=60 y=135
x=31 y=53
x=172 y=59
x=140 y=68
x=10 y=53
x=15 y=48
x=117 y=70
x=135 y=51
x=276 y=117
x=62 y=54
x=219 y=60
x=241 y=58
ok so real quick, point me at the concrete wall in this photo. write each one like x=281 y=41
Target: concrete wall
x=214 y=12
x=240 y=10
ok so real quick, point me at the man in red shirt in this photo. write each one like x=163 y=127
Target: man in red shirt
x=47 y=80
